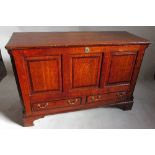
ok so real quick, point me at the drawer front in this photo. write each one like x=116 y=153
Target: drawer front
x=107 y=97
x=56 y=104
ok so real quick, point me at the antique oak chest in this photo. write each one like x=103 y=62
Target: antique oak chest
x=66 y=71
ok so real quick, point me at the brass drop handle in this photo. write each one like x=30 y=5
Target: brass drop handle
x=97 y=98
x=42 y=106
x=87 y=50
x=93 y=98
x=120 y=95
x=72 y=102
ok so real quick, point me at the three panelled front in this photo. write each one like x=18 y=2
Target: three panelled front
x=66 y=77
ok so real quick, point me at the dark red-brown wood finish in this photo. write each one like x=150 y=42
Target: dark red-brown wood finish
x=67 y=71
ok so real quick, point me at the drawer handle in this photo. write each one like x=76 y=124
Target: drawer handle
x=72 y=102
x=121 y=95
x=87 y=49
x=96 y=99
x=42 y=106
x=93 y=98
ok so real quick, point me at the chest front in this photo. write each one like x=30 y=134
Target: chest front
x=60 y=79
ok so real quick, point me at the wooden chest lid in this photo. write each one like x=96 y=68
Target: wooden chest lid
x=27 y=40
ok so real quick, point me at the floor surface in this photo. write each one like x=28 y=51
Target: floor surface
x=141 y=116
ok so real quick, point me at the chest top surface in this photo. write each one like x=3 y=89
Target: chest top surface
x=26 y=40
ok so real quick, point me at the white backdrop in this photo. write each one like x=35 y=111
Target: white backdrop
x=148 y=65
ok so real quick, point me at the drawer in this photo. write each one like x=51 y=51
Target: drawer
x=56 y=104
x=107 y=97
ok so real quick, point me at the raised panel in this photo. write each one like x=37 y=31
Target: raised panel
x=121 y=67
x=85 y=70
x=45 y=73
